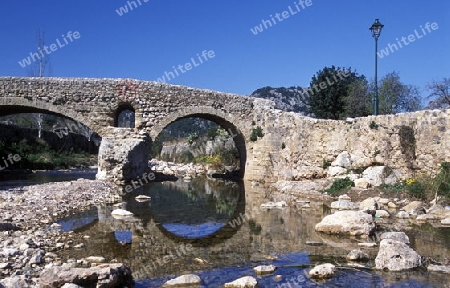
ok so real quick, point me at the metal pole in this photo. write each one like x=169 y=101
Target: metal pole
x=375 y=100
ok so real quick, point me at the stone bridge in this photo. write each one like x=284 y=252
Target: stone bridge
x=293 y=147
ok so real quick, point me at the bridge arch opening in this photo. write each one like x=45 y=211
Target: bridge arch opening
x=125 y=116
x=46 y=140
x=212 y=129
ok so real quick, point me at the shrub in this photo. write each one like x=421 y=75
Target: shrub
x=373 y=125
x=256 y=133
x=326 y=164
x=339 y=186
x=283 y=145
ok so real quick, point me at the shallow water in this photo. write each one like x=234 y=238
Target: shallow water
x=216 y=229
x=22 y=179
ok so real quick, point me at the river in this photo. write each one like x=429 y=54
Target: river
x=217 y=230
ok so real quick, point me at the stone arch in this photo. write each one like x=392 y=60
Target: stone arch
x=22 y=105
x=226 y=121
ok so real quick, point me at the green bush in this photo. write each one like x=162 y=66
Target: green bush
x=340 y=185
x=256 y=133
x=373 y=125
x=325 y=164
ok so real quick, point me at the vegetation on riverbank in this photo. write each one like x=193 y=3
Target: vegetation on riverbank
x=37 y=155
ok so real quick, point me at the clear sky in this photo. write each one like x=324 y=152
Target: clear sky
x=149 y=40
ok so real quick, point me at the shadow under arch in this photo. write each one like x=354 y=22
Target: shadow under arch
x=39 y=106
x=125 y=115
x=215 y=116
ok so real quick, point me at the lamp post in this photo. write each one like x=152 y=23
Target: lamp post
x=376 y=31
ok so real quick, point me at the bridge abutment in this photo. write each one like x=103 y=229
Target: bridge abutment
x=123 y=155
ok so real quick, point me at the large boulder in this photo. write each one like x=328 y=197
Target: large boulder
x=369 y=204
x=414 y=208
x=376 y=175
x=104 y=275
x=397 y=236
x=396 y=256
x=347 y=223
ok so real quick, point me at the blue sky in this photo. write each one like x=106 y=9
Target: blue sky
x=147 y=41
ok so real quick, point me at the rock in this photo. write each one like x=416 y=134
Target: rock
x=397 y=236
x=322 y=271
x=368 y=204
x=376 y=175
x=402 y=215
x=243 y=282
x=78 y=246
x=335 y=171
x=361 y=183
x=4 y=265
x=357 y=255
x=344 y=205
x=342 y=160
x=345 y=197
x=70 y=285
x=264 y=269
x=414 y=207
x=446 y=221
x=95 y=259
x=367 y=244
x=391 y=205
x=383 y=201
x=347 y=223
x=121 y=212
x=110 y=275
x=7 y=252
x=37 y=258
x=16 y=282
x=142 y=198
x=439 y=268
x=274 y=204
x=56 y=226
x=396 y=256
x=382 y=214
x=184 y=280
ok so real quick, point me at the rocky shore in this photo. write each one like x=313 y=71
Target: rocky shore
x=30 y=240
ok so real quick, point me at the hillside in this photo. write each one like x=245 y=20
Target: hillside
x=287 y=99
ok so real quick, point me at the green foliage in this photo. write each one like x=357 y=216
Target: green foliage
x=357 y=103
x=326 y=164
x=192 y=138
x=395 y=97
x=256 y=133
x=339 y=186
x=328 y=91
x=373 y=125
x=37 y=155
x=408 y=144
x=283 y=145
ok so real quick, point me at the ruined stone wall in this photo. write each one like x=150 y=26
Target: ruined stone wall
x=409 y=143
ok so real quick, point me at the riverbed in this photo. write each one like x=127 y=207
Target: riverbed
x=218 y=230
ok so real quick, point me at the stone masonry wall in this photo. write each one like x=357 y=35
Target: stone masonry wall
x=409 y=143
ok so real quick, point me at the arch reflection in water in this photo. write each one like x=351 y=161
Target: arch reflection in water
x=195 y=209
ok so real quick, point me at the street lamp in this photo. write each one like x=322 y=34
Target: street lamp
x=376 y=31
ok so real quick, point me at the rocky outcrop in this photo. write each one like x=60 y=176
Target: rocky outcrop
x=104 y=275
x=396 y=256
x=353 y=223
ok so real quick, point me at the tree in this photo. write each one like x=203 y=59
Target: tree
x=328 y=92
x=440 y=89
x=395 y=97
x=358 y=100
x=38 y=69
